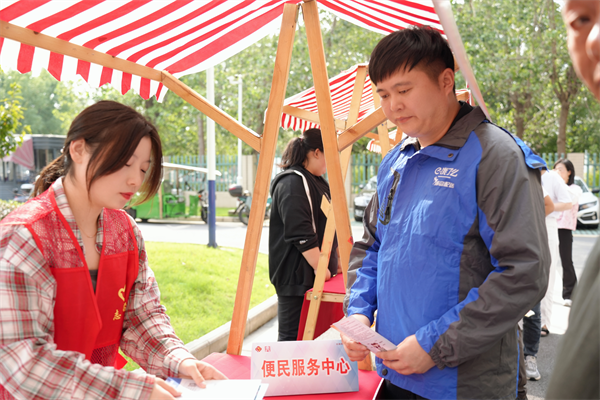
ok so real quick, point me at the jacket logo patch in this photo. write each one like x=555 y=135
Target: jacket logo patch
x=302 y=242
x=443 y=176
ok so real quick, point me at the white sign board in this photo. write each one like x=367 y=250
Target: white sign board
x=304 y=367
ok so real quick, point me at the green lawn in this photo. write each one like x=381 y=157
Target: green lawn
x=198 y=285
x=223 y=211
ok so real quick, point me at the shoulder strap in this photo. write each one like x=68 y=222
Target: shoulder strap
x=307 y=190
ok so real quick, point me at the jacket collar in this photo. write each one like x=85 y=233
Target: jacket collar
x=458 y=134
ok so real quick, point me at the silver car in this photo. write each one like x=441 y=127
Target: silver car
x=589 y=212
x=361 y=201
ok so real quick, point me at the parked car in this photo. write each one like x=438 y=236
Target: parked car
x=23 y=193
x=361 y=201
x=588 y=215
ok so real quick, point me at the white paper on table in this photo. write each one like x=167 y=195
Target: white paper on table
x=238 y=389
x=364 y=335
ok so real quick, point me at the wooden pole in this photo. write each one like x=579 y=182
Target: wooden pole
x=382 y=130
x=317 y=292
x=330 y=144
x=36 y=39
x=360 y=129
x=263 y=178
x=211 y=111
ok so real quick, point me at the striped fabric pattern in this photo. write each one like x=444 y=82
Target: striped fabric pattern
x=385 y=16
x=178 y=36
x=341 y=87
x=181 y=37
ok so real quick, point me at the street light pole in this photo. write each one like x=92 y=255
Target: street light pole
x=211 y=162
x=238 y=81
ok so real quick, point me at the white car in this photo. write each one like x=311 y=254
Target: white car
x=588 y=214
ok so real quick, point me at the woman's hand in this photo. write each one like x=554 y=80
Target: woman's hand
x=327 y=275
x=163 y=391
x=199 y=371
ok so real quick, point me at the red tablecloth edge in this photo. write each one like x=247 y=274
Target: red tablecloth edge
x=334 y=285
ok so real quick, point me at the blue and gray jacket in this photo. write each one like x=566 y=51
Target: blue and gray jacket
x=455 y=251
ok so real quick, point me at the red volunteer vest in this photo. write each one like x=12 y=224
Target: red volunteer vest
x=84 y=321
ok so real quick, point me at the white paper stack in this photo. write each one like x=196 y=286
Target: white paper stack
x=234 y=389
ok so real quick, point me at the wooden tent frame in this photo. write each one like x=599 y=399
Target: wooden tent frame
x=264 y=144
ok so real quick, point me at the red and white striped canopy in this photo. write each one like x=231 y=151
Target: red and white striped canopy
x=341 y=87
x=23 y=155
x=178 y=36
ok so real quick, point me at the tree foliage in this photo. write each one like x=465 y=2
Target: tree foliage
x=12 y=129
x=49 y=106
x=518 y=51
x=179 y=123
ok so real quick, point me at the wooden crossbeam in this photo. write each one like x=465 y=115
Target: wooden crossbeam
x=263 y=178
x=311 y=116
x=29 y=37
x=360 y=129
x=321 y=273
x=211 y=111
x=357 y=92
x=327 y=298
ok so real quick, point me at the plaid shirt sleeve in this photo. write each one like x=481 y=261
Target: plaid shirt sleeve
x=148 y=336
x=30 y=365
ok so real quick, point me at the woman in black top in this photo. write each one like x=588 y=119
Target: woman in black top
x=297 y=227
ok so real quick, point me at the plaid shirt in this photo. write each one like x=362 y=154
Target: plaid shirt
x=30 y=365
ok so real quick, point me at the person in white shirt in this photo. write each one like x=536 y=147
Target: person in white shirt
x=537 y=325
x=567 y=223
x=558 y=191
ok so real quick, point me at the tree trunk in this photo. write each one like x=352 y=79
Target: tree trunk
x=200 y=121
x=519 y=107
x=561 y=140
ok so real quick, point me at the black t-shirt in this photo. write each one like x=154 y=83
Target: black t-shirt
x=291 y=230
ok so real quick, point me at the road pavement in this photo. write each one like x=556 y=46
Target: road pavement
x=232 y=234
x=229 y=234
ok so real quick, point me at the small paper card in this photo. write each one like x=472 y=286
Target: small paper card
x=364 y=335
x=304 y=367
x=236 y=389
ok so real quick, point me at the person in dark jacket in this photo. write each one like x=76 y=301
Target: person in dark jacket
x=455 y=249
x=297 y=227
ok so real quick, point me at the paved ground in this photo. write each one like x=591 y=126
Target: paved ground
x=229 y=234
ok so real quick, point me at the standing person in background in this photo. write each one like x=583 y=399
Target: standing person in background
x=75 y=285
x=559 y=193
x=529 y=339
x=567 y=223
x=575 y=376
x=297 y=227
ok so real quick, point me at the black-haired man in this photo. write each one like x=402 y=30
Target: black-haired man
x=455 y=249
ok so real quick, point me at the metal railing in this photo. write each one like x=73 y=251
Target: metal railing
x=365 y=166
x=225 y=164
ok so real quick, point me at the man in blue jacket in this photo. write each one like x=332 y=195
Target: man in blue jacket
x=455 y=250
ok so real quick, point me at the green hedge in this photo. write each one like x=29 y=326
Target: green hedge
x=6 y=206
